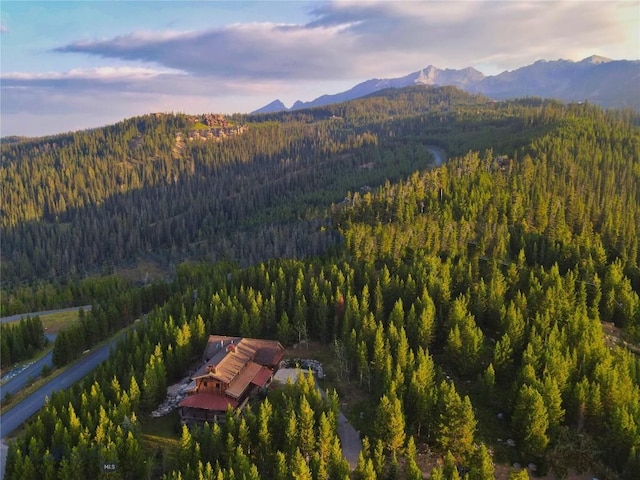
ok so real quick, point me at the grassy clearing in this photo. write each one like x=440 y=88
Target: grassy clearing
x=143 y=271
x=55 y=322
x=167 y=426
x=314 y=350
x=161 y=442
x=200 y=126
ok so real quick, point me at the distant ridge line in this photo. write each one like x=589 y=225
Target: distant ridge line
x=597 y=79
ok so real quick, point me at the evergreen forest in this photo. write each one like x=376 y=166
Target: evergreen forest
x=493 y=297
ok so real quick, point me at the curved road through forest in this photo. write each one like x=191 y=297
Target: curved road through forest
x=31 y=372
x=22 y=411
x=20 y=378
x=439 y=155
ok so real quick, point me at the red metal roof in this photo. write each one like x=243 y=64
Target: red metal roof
x=262 y=377
x=209 y=401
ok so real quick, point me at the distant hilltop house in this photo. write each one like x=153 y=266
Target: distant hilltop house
x=212 y=126
x=233 y=368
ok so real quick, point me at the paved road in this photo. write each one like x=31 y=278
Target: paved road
x=21 y=378
x=32 y=372
x=30 y=405
x=19 y=316
x=350 y=440
x=22 y=411
x=26 y=368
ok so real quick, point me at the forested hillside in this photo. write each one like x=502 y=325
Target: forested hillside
x=466 y=303
x=141 y=192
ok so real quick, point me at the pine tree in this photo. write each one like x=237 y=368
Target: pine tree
x=48 y=467
x=5 y=350
x=364 y=468
x=456 y=422
x=482 y=467
x=390 y=423
x=134 y=393
x=29 y=471
x=71 y=467
x=530 y=421
x=489 y=377
x=437 y=474
x=553 y=401
x=519 y=475
x=299 y=468
x=154 y=382
x=426 y=320
x=306 y=423
x=420 y=397
x=281 y=471
x=284 y=329
x=411 y=469
x=338 y=466
x=185 y=453
x=291 y=433
x=264 y=437
x=325 y=437
x=503 y=357
x=449 y=468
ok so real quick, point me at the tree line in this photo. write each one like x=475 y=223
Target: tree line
x=21 y=340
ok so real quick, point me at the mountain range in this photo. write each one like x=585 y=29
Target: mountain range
x=599 y=80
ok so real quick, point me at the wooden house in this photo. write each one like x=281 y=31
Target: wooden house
x=233 y=368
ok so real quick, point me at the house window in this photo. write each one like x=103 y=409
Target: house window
x=204 y=383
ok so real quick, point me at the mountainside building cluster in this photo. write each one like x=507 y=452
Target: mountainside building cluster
x=215 y=133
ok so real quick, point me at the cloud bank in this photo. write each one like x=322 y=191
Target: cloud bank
x=357 y=39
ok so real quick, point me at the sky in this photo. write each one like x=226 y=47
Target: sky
x=75 y=65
